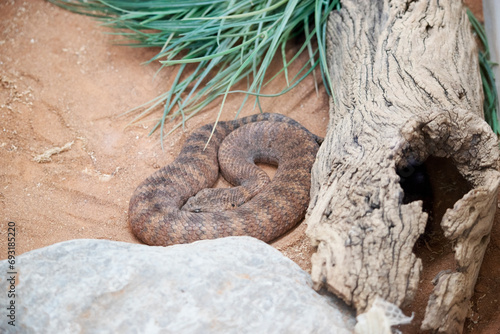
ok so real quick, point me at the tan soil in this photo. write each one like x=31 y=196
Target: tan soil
x=63 y=85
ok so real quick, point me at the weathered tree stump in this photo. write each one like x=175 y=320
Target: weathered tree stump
x=408 y=90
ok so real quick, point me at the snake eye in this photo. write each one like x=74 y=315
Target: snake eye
x=232 y=204
x=197 y=210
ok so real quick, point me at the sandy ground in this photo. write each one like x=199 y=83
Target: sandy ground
x=63 y=84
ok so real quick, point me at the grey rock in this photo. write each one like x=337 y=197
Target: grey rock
x=230 y=285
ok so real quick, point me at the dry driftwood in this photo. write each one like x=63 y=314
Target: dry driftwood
x=407 y=87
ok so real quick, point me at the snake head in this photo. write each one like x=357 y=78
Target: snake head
x=213 y=200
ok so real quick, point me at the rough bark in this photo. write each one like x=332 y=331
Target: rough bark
x=407 y=87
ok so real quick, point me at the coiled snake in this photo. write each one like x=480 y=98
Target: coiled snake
x=163 y=211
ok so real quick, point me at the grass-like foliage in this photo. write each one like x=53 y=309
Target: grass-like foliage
x=226 y=41
x=490 y=93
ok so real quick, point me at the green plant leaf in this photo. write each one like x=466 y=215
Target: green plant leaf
x=229 y=41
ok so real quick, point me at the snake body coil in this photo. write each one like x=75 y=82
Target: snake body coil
x=163 y=211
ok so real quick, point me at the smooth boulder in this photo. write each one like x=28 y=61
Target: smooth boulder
x=230 y=285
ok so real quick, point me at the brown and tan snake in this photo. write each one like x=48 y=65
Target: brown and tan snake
x=256 y=206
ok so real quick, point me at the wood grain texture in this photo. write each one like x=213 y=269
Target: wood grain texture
x=407 y=87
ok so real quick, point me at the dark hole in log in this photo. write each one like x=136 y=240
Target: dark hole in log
x=415 y=182
x=439 y=185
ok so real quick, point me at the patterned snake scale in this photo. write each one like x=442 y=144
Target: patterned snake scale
x=256 y=206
